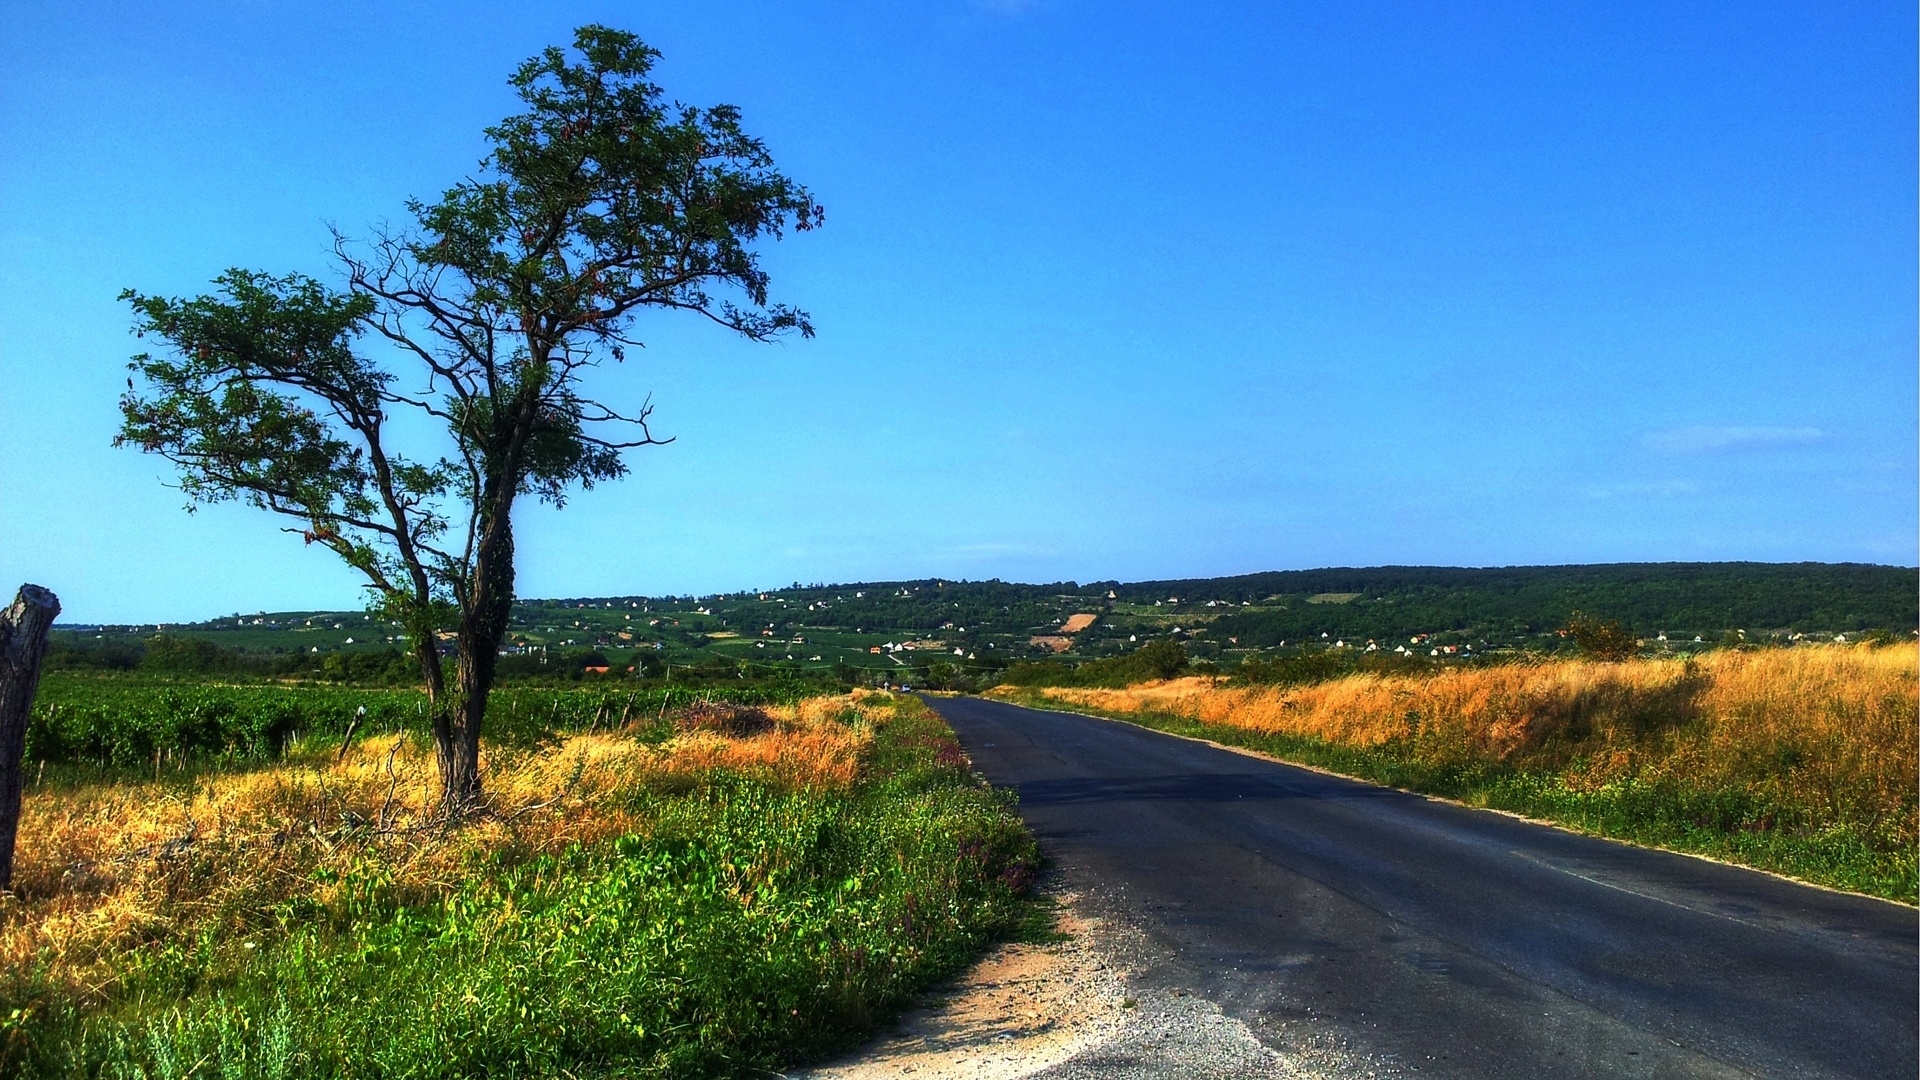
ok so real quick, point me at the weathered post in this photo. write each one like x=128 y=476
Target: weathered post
x=23 y=645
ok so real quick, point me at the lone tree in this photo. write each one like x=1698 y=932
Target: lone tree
x=489 y=311
x=1600 y=638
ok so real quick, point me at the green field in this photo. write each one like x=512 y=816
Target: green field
x=107 y=723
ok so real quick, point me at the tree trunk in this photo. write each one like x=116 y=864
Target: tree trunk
x=426 y=651
x=23 y=645
x=456 y=741
x=483 y=625
x=457 y=745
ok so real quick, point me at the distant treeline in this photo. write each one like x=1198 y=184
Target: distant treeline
x=171 y=655
x=168 y=654
x=925 y=606
x=1165 y=659
x=984 y=626
x=1386 y=601
x=1647 y=598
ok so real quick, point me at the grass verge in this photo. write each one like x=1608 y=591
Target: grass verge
x=1800 y=767
x=712 y=906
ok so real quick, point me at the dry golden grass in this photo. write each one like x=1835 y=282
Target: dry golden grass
x=105 y=866
x=1831 y=730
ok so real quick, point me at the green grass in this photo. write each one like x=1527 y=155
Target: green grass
x=750 y=928
x=1729 y=824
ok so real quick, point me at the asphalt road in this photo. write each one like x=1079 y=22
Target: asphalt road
x=1368 y=931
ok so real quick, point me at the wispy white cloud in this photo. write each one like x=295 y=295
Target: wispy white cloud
x=1716 y=439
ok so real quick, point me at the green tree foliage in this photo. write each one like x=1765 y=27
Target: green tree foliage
x=181 y=655
x=597 y=202
x=1600 y=638
x=1300 y=669
x=69 y=652
x=1310 y=666
x=189 y=657
x=1395 y=601
x=1159 y=659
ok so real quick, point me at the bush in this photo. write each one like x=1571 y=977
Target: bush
x=70 y=652
x=187 y=656
x=1306 y=668
x=1161 y=658
x=1603 y=640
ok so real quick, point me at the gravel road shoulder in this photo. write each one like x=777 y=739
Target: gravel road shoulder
x=1062 y=1011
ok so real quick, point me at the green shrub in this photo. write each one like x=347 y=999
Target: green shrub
x=1161 y=658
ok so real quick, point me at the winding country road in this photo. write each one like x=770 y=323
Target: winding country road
x=1372 y=932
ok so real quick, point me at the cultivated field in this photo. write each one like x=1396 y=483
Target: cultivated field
x=1799 y=760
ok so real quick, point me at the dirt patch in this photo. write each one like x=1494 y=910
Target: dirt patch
x=1077 y=623
x=1022 y=1009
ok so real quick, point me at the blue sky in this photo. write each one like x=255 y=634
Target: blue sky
x=1106 y=290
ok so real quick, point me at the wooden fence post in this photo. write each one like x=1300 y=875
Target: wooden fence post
x=23 y=645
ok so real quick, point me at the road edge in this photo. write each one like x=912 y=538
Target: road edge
x=1570 y=829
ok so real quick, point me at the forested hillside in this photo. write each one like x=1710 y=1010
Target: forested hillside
x=895 y=629
x=1505 y=603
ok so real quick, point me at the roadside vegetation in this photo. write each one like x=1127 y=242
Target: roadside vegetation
x=1800 y=761
x=715 y=889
